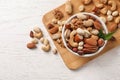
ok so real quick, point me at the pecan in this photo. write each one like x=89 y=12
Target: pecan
x=58 y=14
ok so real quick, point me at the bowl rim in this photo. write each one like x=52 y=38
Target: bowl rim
x=96 y=17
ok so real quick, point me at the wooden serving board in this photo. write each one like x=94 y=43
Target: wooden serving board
x=72 y=61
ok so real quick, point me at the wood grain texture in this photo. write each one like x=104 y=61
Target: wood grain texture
x=72 y=61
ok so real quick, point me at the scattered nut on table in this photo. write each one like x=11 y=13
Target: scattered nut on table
x=58 y=14
x=45 y=42
x=54 y=51
x=34 y=40
x=81 y=8
x=42 y=40
x=37 y=29
x=46 y=48
x=31 y=34
x=38 y=35
x=68 y=7
x=31 y=45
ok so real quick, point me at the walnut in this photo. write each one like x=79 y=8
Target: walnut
x=58 y=14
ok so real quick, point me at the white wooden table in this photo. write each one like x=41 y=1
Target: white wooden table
x=17 y=18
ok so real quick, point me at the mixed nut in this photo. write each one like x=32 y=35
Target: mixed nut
x=81 y=34
x=37 y=35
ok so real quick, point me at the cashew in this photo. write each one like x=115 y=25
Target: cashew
x=113 y=5
x=54 y=21
x=68 y=7
x=88 y=23
x=117 y=20
x=109 y=18
x=104 y=1
x=34 y=40
x=38 y=35
x=56 y=36
x=86 y=33
x=42 y=40
x=115 y=13
x=103 y=19
x=45 y=42
x=37 y=29
x=95 y=32
x=71 y=40
x=80 y=31
x=104 y=10
x=109 y=12
x=46 y=48
x=67 y=33
x=81 y=8
x=81 y=16
x=87 y=1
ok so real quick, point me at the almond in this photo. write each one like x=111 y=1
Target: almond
x=89 y=46
x=88 y=51
x=101 y=42
x=77 y=38
x=53 y=30
x=31 y=45
x=97 y=25
x=91 y=41
x=113 y=27
x=31 y=34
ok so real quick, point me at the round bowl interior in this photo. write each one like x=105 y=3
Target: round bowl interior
x=97 y=18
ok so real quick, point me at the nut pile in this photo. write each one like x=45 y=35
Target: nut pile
x=81 y=34
x=37 y=35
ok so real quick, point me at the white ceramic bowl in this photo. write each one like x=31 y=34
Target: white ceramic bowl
x=85 y=55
